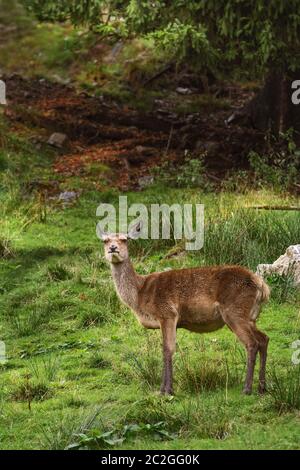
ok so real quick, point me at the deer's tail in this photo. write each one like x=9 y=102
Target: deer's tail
x=262 y=296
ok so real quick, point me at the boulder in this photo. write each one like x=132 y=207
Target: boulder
x=289 y=263
x=57 y=139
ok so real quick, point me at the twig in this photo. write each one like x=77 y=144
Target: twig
x=169 y=140
x=158 y=74
x=213 y=177
x=276 y=208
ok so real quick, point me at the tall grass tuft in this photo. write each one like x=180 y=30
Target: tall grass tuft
x=29 y=322
x=45 y=368
x=6 y=248
x=97 y=361
x=187 y=418
x=31 y=390
x=58 y=272
x=146 y=365
x=285 y=388
x=58 y=435
x=283 y=287
x=198 y=372
x=248 y=237
x=104 y=310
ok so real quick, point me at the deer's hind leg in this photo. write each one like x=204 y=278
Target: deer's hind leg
x=246 y=333
x=263 y=341
x=168 y=328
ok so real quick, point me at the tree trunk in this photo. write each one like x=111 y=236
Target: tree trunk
x=272 y=109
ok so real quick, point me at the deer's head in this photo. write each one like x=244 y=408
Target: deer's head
x=116 y=244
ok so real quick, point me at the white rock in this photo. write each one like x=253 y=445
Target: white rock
x=183 y=91
x=289 y=263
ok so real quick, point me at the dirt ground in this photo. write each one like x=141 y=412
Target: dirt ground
x=126 y=141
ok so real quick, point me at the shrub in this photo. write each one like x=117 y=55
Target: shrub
x=6 y=248
x=191 y=174
x=30 y=391
x=282 y=287
x=58 y=272
x=97 y=361
x=279 y=170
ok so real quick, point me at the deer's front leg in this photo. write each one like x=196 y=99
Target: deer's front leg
x=168 y=328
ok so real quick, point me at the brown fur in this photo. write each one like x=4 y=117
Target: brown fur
x=197 y=299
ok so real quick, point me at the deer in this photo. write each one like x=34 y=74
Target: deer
x=201 y=300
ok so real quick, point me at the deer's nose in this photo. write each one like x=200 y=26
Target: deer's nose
x=113 y=248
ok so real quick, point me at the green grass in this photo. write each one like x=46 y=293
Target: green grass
x=285 y=389
x=79 y=363
x=39 y=49
x=199 y=103
x=60 y=52
x=80 y=371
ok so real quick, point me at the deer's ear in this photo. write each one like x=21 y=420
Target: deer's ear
x=135 y=231
x=100 y=233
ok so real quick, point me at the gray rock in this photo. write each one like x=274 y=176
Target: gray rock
x=57 y=139
x=289 y=263
x=67 y=196
x=145 y=181
x=142 y=150
x=61 y=80
x=163 y=111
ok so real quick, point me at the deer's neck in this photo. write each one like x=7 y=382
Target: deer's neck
x=126 y=281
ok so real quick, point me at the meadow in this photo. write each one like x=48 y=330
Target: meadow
x=82 y=373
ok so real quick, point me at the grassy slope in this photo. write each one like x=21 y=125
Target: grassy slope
x=73 y=348
x=62 y=53
x=65 y=54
